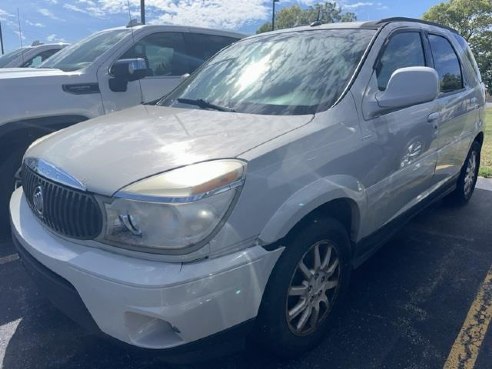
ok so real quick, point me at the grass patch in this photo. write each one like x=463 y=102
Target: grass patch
x=486 y=160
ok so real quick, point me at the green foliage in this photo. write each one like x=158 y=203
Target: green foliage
x=486 y=159
x=294 y=16
x=473 y=20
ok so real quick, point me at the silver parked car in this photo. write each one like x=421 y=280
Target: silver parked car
x=245 y=197
x=30 y=56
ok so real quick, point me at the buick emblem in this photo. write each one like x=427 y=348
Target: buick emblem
x=37 y=200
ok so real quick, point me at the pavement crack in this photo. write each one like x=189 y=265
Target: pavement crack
x=9 y=259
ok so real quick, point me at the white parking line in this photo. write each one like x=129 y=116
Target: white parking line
x=9 y=259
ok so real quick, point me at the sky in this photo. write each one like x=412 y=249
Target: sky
x=72 y=20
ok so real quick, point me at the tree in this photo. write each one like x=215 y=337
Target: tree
x=473 y=20
x=294 y=16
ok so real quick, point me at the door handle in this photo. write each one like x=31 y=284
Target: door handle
x=433 y=117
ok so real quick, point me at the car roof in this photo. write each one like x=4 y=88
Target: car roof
x=375 y=25
x=386 y=21
x=168 y=27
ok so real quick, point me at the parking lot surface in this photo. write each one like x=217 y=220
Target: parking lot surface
x=406 y=308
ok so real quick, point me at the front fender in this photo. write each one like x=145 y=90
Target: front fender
x=309 y=198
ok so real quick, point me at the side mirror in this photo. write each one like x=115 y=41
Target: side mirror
x=409 y=86
x=127 y=70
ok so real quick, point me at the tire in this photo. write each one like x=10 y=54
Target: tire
x=282 y=326
x=465 y=186
x=8 y=168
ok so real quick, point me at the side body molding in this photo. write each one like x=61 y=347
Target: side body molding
x=312 y=196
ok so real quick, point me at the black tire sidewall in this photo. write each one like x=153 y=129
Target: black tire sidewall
x=272 y=328
x=459 y=195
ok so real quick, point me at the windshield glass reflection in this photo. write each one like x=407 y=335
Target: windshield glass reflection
x=299 y=72
x=81 y=54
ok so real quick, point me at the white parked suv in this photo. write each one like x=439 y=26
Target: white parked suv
x=30 y=56
x=245 y=197
x=108 y=71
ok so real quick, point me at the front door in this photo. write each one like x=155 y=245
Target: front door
x=401 y=150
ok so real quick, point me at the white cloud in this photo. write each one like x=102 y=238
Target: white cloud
x=362 y=4
x=357 y=5
x=4 y=14
x=19 y=35
x=35 y=24
x=54 y=38
x=89 y=8
x=48 y=13
x=230 y=14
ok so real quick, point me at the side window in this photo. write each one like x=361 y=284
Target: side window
x=33 y=62
x=403 y=49
x=446 y=63
x=470 y=68
x=38 y=59
x=163 y=52
x=202 y=47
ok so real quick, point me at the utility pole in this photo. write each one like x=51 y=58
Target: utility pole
x=1 y=36
x=273 y=14
x=142 y=11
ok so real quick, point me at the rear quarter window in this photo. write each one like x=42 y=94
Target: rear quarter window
x=472 y=73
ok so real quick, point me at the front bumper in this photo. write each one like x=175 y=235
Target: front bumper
x=145 y=303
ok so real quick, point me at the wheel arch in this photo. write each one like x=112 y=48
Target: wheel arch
x=342 y=198
x=479 y=138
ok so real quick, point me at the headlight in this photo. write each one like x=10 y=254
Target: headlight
x=175 y=209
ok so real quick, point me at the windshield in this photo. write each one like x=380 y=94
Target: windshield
x=288 y=73
x=7 y=58
x=83 y=53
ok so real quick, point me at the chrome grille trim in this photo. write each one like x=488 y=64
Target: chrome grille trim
x=48 y=170
x=67 y=211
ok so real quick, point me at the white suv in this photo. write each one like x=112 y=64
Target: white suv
x=108 y=71
x=247 y=195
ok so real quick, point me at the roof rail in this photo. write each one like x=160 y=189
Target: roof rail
x=404 y=19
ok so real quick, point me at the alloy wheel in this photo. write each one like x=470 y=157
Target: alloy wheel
x=470 y=173
x=313 y=288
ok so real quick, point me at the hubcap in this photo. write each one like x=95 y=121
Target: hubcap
x=470 y=174
x=313 y=288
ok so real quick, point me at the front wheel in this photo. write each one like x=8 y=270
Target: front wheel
x=305 y=289
x=467 y=180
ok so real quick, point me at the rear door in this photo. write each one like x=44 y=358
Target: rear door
x=458 y=107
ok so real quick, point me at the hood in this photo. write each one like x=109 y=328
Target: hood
x=112 y=151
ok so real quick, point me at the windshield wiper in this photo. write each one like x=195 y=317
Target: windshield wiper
x=204 y=104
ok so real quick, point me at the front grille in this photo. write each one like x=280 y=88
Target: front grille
x=67 y=211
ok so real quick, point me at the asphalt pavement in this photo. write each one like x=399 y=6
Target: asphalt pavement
x=406 y=308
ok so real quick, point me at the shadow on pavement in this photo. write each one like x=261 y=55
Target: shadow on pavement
x=405 y=307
